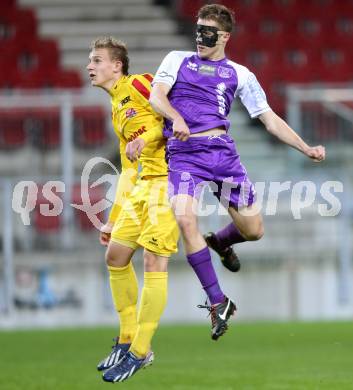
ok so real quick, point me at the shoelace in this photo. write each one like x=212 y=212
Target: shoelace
x=126 y=363
x=211 y=311
x=116 y=341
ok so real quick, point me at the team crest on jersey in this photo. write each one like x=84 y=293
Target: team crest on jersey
x=192 y=66
x=130 y=113
x=225 y=73
x=207 y=69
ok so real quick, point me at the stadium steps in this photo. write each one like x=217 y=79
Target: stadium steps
x=146 y=28
x=40 y=3
x=257 y=154
x=94 y=12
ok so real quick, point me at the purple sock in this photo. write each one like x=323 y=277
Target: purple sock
x=228 y=236
x=203 y=267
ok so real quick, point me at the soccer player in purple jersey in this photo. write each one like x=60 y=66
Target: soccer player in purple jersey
x=194 y=92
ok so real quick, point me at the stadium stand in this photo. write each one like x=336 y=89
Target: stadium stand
x=53 y=224
x=283 y=41
x=95 y=195
x=12 y=129
x=89 y=127
x=150 y=30
x=35 y=60
x=289 y=41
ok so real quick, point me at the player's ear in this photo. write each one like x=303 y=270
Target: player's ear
x=118 y=66
x=225 y=37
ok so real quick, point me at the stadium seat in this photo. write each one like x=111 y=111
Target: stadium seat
x=89 y=127
x=95 y=195
x=35 y=62
x=44 y=125
x=188 y=9
x=12 y=128
x=67 y=79
x=17 y=23
x=46 y=224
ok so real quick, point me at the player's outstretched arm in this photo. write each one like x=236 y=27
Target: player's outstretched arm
x=280 y=129
x=160 y=103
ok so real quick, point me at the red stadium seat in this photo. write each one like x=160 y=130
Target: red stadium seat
x=44 y=125
x=42 y=223
x=12 y=128
x=95 y=195
x=18 y=23
x=8 y=3
x=89 y=126
x=188 y=9
x=68 y=79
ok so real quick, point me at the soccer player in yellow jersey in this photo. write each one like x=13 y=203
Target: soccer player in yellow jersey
x=140 y=216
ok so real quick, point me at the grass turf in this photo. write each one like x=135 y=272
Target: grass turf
x=256 y=356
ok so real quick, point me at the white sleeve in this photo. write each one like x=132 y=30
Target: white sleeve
x=168 y=70
x=250 y=92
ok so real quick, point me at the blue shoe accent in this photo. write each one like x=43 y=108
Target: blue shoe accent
x=117 y=353
x=127 y=367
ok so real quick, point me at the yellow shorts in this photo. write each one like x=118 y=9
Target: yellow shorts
x=147 y=220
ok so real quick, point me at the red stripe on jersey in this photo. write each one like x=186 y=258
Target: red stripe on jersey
x=148 y=77
x=141 y=88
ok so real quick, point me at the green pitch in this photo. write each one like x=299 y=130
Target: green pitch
x=257 y=356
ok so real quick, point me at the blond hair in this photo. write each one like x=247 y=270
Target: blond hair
x=117 y=50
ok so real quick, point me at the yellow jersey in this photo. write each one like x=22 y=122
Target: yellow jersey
x=133 y=117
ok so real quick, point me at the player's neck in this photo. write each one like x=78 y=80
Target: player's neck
x=109 y=84
x=218 y=55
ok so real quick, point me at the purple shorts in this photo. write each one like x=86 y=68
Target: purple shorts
x=209 y=161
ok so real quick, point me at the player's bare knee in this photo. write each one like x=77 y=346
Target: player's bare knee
x=150 y=260
x=112 y=259
x=154 y=262
x=186 y=224
x=109 y=258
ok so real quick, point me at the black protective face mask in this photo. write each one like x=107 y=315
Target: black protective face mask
x=206 y=35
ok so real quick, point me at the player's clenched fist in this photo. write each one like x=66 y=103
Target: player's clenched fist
x=180 y=129
x=105 y=232
x=134 y=149
x=316 y=153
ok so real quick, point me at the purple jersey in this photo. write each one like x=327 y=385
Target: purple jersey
x=203 y=90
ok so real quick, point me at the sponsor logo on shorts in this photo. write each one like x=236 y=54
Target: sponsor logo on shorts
x=225 y=73
x=130 y=113
x=207 y=69
x=136 y=133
